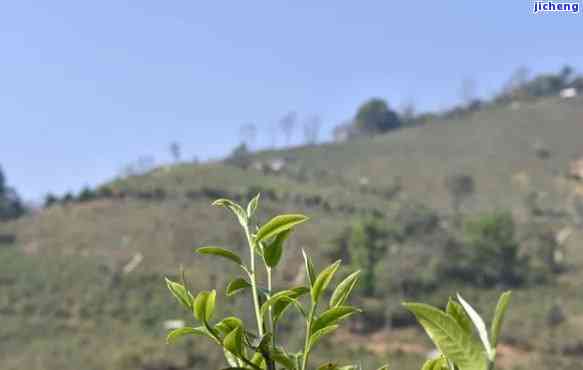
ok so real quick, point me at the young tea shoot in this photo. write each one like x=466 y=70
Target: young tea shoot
x=459 y=332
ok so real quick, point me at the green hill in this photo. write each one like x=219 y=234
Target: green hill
x=82 y=288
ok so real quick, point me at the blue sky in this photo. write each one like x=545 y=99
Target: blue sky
x=86 y=87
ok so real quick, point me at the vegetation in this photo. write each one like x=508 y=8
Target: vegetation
x=374 y=117
x=244 y=348
x=10 y=204
x=261 y=349
x=489 y=254
x=101 y=318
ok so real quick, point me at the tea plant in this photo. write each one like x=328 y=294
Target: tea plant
x=261 y=348
x=452 y=333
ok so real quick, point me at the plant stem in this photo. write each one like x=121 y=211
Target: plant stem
x=269 y=288
x=253 y=282
x=308 y=334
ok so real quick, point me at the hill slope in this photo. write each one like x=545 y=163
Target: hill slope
x=66 y=302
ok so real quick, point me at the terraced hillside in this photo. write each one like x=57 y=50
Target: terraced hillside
x=81 y=287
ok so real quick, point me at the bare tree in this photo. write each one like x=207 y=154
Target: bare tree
x=248 y=134
x=343 y=131
x=407 y=111
x=287 y=124
x=139 y=167
x=175 y=151
x=514 y=87
x=312 y=127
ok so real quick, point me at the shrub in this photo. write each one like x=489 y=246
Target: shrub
x=489 y=253
x=243 y=347
x=451 y=330
x=374 y=117
x=460 y=187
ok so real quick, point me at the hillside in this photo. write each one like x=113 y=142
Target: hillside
x=68 y=299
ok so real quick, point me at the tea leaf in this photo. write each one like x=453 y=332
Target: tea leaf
x=285 y=296
x=234 y=207
x=344 y=289
x=315 y=338
x=252 y=206
x=258 y=360
x=237 y=285
x=435 y=364
x=281 y=305
x=180 y=293
x=221 y=252
x=310 y=270
x=204 y=305
x=333 y=316
x=210 y=305
x=180 y=332
x=277 y=225
x=231 y=359
x=283 y=359
x=272 y=251
x=456 y=311
x=480 y=326
x=273 y=299
x=233 y=341
x=499 y=313
x=323 y=280
x=228 y=324
x=449 y=337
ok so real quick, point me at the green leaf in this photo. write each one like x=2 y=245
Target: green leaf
x=315 y=338
x=272 y=251
x=435 y=364
x=237 y=285
x=233 y=341
x=344 y=289
x=258 y=360
x=449 y=337
x=180 y=293
x=456 y=311
x=281 y=306
x=323 y=280
x=349 y=367
x=210 y=305
x=277 y=225
x=232 y=360
x=228 y=324
x=180 y=332
x=282 y=358
x=499 y=313
x=285 y=295
x=235 y=208
x=384 y=367
x=333 y=316
x=310 y=270
x=480 y=326
x=252 y=206
x=221 y=252
x=204 y=305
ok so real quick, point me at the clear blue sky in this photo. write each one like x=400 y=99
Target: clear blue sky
x=88 y=86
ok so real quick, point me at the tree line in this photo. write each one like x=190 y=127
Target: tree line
x=11 y=206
